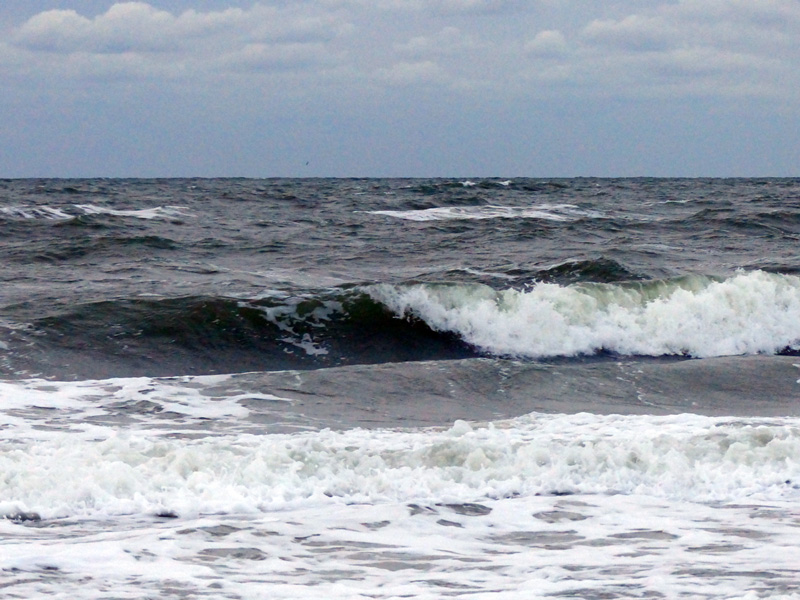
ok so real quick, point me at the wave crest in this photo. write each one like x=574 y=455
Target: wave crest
x=748 y=313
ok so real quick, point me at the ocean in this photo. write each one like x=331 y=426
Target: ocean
x=400 y=388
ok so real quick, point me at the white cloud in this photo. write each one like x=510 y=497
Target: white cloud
x=151 y=41
x=281 y=72
x=473 y=6
x=634 y=33
x=449 y=43
x=450 y=8
x=711 y=47
x=268 y=57
x=446 y=41
x=125 y=27
x=547 y=43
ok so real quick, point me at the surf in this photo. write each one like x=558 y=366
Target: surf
x=699 y=316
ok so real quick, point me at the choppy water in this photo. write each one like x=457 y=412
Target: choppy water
x=568 y=388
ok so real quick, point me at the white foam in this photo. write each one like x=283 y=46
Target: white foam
x=34 y=212
x=307 y=344
x=748 y=313
x=106 y=472
x=524 y=548
x=59 y=214
x=547 y=212
x=286 y=316
x=657 y=505
x=40 y=409
x=158 y=212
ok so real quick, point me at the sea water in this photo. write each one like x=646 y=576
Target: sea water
x=400 y=388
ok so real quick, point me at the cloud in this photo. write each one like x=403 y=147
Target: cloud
x=472 y=6
x=148 y=41
x=548 y=43
x=449 y=44
x=720 y=48
x=125 y=27
x=446 y=41
x=452 y=8
x=710 y=48
x=634 y=33
x=269 y=57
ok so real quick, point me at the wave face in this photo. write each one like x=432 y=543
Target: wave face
x=197 y=335
x=748 y=313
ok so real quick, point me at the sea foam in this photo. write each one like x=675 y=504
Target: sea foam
x=748 y=313
x=546 y=212
x=106 y=473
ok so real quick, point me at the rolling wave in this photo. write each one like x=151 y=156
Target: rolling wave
x=697 y=316
x=748 y=313
x=213 y=334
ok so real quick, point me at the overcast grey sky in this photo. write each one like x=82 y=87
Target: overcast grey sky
x=400 y=88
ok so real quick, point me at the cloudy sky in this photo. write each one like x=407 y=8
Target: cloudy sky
x=400 y=88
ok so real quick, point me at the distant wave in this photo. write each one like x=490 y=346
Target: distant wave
x=49 y=213
x=157 y=212
x=548 y=212
x=66 y=212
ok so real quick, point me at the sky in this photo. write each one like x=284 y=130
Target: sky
x=400 y=88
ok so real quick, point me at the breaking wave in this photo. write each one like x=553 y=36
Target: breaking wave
x=547 y=212
x=748 y=313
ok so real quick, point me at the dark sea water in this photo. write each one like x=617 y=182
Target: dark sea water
x=383 y=388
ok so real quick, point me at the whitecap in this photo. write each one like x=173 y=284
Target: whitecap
x=748 y=313
x=34 y=212
x=158 y=212
x=547 y=212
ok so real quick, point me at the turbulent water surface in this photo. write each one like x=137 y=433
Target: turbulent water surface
x=230 y=388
